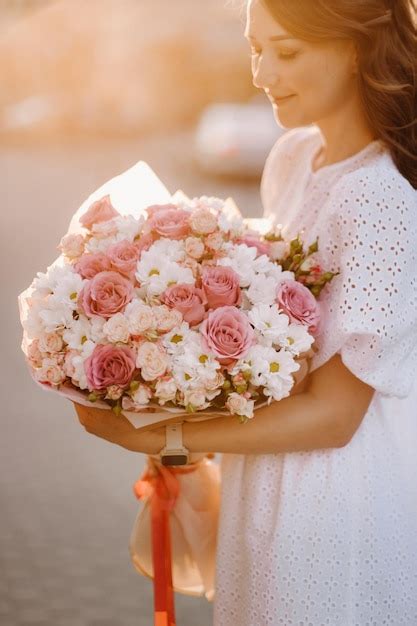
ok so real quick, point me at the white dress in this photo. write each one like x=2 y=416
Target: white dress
x=330 y=536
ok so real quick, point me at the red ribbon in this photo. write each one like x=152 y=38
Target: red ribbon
x=160 y=484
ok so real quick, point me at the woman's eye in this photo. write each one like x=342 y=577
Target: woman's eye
x=287 y=55
x=281 y=55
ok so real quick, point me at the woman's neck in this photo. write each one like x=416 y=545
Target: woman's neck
x=344 y=135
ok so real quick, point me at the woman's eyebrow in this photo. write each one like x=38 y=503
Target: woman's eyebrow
x=274 y=38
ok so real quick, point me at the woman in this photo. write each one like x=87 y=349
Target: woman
x=319 y=501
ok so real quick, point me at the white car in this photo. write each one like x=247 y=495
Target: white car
x=235 y=139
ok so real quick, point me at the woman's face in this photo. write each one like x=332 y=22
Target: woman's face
x=316 y=80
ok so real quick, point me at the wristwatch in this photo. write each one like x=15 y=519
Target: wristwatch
x=174 y=452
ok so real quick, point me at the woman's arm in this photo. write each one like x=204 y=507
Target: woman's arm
x=325 y=415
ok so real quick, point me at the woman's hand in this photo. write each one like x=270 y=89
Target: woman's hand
x=105 y=424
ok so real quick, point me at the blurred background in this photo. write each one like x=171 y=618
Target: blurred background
x=87 y=89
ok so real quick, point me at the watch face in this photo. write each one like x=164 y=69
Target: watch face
x=174 y=459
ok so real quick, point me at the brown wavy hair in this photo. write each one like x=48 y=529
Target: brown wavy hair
x=384 y=32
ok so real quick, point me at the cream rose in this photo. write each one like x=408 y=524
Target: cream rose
x=117 y=329
x=141 y=318
x=239 y=405
x=194 y=247
x=166 y=319
x=165 y=390
x=151 y=360
x=203 y=222
x=72 y=246
x=50 y=342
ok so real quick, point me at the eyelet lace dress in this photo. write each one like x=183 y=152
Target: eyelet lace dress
x=329 y=537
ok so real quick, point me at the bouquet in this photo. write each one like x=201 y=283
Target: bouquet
x=162 y=307
x=183 y=306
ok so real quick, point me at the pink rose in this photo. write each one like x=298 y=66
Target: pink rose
x=100 y=211
x=252 y=241
x=228 y=334
x=109 y=365
x=221 y=286
x=153 y=209
x=172 y=223
x=91 y=264
x=106 y=294
x=299 y=304
x=188 y=300
x=123 y=256
x=144 y=242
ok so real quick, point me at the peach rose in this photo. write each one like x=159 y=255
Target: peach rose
x=299 y=304
x=188 y=300
x=239 y=405
x=221 y=286
x=228 y=334
x=106 y=294
x=100 y=211
x=51 y=372
x=114 y=392
x=203 y=222
x=109 y=365
x=33 y=354
x=166 y=319
x=50 y=342
x=91 y=264
x=194 y=247
x=72 y=246
x=124 y=256
x=215 y=241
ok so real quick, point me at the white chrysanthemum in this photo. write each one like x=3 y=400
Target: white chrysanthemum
x=270 y=322
x=296 y=339
x=33 y=323
x=235 y=225
x=128 y=226
x=241 y=259
x=168 y=249
x=276 y=272
x=78 y=333
x=96 y=244
x=160 y=256
x=195 y=368
x=78 y=361
x=262 y=290
x=272 y=370
x=178 y=339
x=55 y=316
x=170 y=275
x=208 y=202
x=67 y=290
x=46 y=282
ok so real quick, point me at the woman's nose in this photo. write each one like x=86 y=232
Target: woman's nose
x=264 y=74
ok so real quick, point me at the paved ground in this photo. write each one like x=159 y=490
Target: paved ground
x=66 y=499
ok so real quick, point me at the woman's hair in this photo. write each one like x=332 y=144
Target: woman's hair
x=384 y=32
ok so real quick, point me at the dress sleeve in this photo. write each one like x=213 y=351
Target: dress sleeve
x=370 y=309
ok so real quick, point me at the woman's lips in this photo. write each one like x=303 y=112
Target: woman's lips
x=284 y=99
